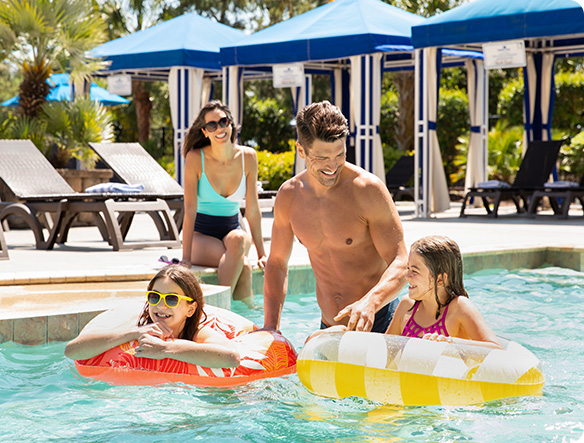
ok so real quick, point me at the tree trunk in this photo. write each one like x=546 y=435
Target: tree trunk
x=34 y=89
x=143 y=107
x=404 y=83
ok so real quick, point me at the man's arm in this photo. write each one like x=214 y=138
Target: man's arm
x=387 y=235
x=276 y=270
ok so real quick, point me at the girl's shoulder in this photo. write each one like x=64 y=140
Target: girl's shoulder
x=461 y=304
x=405 y=304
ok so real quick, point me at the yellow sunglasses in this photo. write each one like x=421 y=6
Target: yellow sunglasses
x=170 y=300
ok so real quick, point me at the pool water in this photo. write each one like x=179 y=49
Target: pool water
x=43 y=399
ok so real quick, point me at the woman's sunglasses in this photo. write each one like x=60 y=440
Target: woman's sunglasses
x=170 y=300
x=213 y=125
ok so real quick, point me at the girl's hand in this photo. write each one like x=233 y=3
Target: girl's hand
x=262 y=261
x=151 y=347
x=437 y=337
x=157 y=329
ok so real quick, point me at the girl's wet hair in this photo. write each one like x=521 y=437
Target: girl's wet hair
x=190 y=286
x=442 y=256
x=195 y=138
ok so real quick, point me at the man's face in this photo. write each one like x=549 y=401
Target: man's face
x=324 y=161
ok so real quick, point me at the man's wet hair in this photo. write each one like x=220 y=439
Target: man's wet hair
x=320 y=121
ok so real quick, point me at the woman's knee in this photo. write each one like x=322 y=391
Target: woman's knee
x=237 y=241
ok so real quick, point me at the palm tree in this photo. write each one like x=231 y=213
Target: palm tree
x=40 y=36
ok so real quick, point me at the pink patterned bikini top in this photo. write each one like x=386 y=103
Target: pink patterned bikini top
x=413 y=329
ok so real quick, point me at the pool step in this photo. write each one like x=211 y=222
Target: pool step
x=37 y=314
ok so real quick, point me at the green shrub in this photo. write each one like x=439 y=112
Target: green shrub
x=275 y=168
x=572 y=159
x=569 y=102
x=510 y=105
x=453 y=121
x=266 y=126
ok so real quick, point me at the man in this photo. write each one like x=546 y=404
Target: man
x=347 y=221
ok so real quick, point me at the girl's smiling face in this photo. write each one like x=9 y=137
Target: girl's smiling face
x=419 y=278
x=174 y=318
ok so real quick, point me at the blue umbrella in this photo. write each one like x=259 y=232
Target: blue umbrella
x=61 y=91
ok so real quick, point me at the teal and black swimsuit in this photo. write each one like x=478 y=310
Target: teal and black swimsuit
x=217 y=216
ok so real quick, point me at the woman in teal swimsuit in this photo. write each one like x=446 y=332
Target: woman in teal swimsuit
x=218 y=175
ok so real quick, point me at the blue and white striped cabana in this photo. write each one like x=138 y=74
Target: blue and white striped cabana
x=339 y=38
x=184 y=52
x=550 y=29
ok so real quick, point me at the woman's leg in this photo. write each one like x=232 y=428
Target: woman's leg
x=243 y=288
x=206 y=250
x=237 y=244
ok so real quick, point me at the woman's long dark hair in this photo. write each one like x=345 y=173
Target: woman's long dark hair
x=195 y=138
x=190 y=286
x=442 y=256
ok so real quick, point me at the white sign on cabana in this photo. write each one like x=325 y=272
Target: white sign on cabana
x=507 y=54
x=120 y=84
x=288 y=75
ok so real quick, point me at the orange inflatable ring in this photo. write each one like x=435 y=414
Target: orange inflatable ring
x=263 y=354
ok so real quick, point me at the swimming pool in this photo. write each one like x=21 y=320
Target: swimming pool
x=42 y=398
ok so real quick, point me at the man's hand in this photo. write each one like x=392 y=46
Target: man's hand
x=361 y=316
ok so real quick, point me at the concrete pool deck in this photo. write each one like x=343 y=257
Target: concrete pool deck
x=88 y=265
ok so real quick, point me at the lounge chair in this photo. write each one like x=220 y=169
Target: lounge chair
x=535 y=168
x=3 y=247
x=45 y=197
x=398 y=177
x=133 y=165
x=560 y=195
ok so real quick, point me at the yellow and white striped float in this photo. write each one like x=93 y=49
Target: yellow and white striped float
x=411 y=371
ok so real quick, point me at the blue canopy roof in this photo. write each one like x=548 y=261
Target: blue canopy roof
x=61 y=91
x=492 y=20
x=338 y=29
x=188 y=40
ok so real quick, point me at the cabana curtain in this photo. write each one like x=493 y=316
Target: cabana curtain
x=185 y=86
x=477 y=157
x=301 y=96
x=365 y=112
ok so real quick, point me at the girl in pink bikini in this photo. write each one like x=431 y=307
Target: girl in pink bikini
x=437 y=306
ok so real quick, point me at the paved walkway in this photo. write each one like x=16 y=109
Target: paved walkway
x=86 y=257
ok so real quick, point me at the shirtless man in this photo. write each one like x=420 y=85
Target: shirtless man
x=347 y=221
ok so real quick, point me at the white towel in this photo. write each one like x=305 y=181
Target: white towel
x=107 y=188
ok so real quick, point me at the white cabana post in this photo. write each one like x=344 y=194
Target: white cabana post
x=477 y=156
x=431 y=187
x=185 y=86
x=365 y=112
x=301 y=96
x=233 y=92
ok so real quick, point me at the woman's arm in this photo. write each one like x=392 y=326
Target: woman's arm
x=210 y=349
x=110 y=329
x=192 y=173
x=252 y=206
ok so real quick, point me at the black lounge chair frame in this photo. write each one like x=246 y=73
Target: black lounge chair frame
x=534 y=170
x=398 y=177
x=560 y=199
x=45 y=199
